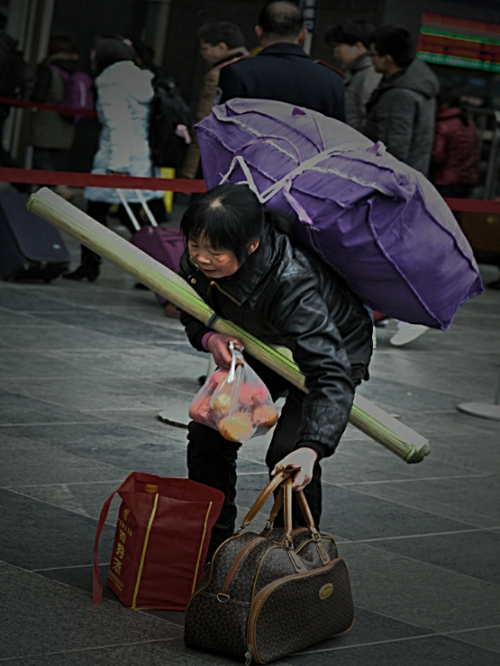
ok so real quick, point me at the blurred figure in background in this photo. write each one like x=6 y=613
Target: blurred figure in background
x=16 y=81
x=221 y=43
x=402 y=109
x=51 y=135
x=350 y=42
x=401 y=114
x=282 y=70
x=455 y=155
x=124 y=94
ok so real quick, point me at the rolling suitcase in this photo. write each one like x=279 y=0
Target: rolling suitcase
x=164 y=244
x=29 y=246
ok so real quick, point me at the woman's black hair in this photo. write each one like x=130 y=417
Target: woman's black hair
x=230 y=216
x=110 y=49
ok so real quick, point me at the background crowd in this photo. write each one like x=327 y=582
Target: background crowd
x=377 y=86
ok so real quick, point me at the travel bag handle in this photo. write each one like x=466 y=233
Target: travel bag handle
x=275 y=482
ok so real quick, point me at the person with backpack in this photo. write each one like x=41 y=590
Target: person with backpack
x=16 y=81
x=244 y=261
x=124 y=96
x=59 y=80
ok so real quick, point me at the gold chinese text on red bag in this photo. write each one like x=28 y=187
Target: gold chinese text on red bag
x=161 y=540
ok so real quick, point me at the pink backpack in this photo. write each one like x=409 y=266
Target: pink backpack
x=78 y=93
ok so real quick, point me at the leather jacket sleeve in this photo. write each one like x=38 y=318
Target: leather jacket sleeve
x=195 y=329
x=301 y=316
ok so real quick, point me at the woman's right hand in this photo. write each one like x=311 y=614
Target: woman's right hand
x=218 y=346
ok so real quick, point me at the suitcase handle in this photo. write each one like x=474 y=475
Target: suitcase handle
x=130 y=213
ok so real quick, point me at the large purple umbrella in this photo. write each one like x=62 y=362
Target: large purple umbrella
x=376 y=220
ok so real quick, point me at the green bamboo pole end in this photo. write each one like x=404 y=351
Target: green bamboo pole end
x=367 y=417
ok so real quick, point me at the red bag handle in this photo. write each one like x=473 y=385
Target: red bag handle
x=96 y=579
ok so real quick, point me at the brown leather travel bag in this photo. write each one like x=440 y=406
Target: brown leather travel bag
x=267 y=595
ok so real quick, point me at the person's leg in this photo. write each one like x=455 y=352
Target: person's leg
x=284 y=437
x=283 y=443
x=211 y=460
x=90 y=260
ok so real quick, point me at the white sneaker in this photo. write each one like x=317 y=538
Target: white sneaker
x=407 y=333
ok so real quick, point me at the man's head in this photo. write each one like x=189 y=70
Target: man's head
x=349 y=40
x=280 y=21
x=391 y=49
x=217 y=39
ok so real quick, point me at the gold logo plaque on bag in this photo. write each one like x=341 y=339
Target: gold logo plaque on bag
x=325 y=591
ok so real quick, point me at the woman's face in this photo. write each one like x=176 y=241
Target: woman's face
x=214 y=262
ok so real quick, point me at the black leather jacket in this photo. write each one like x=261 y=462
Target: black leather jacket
x=287 y=296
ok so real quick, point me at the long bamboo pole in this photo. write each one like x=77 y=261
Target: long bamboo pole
x=367 y=417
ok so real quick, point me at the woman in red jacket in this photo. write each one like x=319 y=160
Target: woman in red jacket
x=455 y=155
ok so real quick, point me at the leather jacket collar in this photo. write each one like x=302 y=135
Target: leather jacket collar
x=241 y=285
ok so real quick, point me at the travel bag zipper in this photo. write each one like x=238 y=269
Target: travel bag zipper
x=241 y=555
x=257 y=604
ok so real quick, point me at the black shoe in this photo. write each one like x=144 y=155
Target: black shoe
x=494 y=285
x=87 y=272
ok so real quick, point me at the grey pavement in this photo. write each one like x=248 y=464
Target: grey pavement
x=84 y=371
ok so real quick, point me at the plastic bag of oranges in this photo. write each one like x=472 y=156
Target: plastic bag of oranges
x=237 y=403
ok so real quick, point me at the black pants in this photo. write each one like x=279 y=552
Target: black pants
x=98 y=210
x=212 y=459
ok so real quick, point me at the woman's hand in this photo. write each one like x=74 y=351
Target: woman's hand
x=218 y=346
x=303 y=458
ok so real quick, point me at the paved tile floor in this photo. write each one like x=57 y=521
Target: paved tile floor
x=84 y=371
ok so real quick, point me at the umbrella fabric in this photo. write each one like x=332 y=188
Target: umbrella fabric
x=374 y=219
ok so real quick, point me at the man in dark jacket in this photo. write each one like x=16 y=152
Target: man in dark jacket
x=281 y=70
x=402 y=108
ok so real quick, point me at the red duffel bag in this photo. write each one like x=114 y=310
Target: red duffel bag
x=161 y=540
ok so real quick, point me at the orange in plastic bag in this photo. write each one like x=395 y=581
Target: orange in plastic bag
x=239 y=403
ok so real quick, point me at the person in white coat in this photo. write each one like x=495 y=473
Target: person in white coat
x=124 y=94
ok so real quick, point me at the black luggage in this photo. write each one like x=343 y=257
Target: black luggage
x=29 y=246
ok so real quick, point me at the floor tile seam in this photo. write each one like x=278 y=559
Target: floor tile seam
x=438 y=568
x=437 y=634
x=56 y=506
x=51 y=423
x=362 y=645
x=464 y=631
x=472 y=469
x=415 y=480
x=30 y=325
x=412 y=506
x=10 y=347
x=419 y=387
x=426 y=535
x=143 y=612
x=73 y=566
x=93 y=649
x=462 y=640
x=65 y=483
